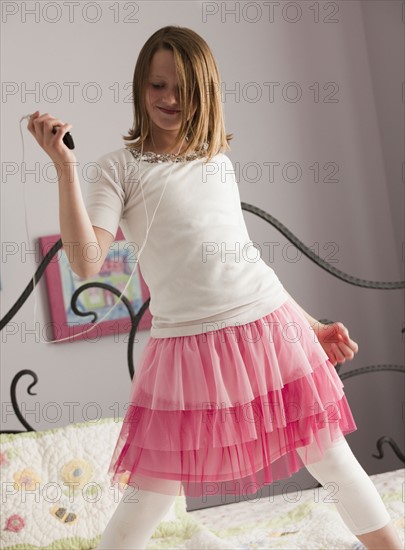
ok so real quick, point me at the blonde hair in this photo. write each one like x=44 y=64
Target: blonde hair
x=199 y=79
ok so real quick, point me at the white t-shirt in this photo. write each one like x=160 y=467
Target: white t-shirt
x=202 y=270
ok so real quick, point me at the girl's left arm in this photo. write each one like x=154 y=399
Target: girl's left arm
x=334 y=338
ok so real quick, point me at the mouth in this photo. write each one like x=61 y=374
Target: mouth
x=168 y=111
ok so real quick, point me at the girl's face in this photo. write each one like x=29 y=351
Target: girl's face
x=162 y=93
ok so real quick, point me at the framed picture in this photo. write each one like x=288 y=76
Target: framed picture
x=61 y=283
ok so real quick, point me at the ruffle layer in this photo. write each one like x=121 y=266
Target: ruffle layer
x=232 y=405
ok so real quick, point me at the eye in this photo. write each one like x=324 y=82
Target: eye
x=157 y=85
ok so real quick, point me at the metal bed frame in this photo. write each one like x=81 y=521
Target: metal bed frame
x=135 y=319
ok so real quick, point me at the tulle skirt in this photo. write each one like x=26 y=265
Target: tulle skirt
x=225 y=411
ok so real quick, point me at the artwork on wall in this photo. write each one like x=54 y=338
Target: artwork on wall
x=62 y=282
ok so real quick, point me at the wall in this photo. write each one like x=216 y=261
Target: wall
x=346 y=66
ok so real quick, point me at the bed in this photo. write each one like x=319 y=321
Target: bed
x=56 y=494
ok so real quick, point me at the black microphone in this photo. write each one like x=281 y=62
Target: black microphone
x=67 y=138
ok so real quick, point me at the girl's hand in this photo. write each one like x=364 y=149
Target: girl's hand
x=336 y=342
x=40 y=127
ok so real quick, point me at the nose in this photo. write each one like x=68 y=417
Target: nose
x=171 y=98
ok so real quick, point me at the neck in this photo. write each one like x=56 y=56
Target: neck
x=163 y=143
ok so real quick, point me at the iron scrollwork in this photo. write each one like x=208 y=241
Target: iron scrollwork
x=135 y=318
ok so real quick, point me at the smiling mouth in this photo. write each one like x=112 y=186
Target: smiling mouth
x=168 y=111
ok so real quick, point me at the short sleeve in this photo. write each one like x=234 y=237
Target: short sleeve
x=105 y=197
x=229 y=174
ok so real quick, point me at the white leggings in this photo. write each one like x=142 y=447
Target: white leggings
x=359 y=503
x=135 y=519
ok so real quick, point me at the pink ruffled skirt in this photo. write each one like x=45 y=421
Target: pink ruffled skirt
x=225 y=411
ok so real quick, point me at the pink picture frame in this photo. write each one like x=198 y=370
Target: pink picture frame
x=61 y=283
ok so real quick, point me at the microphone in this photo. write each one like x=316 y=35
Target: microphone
x=67 y=138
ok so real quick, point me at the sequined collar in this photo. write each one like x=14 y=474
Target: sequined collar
x=149 y=156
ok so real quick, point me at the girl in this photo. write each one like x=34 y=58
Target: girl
x=236 y=377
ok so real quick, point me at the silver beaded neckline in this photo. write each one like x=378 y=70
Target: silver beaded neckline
x=149 y=156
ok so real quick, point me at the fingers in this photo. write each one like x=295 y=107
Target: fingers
x=345 y=338
x=46 y=122
x=340 y=347
x=332 y=356
x=35 y=125
x=342 y=352
x=41 y=126
x=31 y=121
x=61 y=129
x=340 y=357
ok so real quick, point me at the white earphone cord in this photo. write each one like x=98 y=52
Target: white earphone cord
x=138 y=256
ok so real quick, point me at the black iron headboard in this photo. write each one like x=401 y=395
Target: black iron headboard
x=135 y=318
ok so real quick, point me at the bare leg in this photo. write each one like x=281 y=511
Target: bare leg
x=385 y=538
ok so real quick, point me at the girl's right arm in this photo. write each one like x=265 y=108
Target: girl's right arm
x=76 y=229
